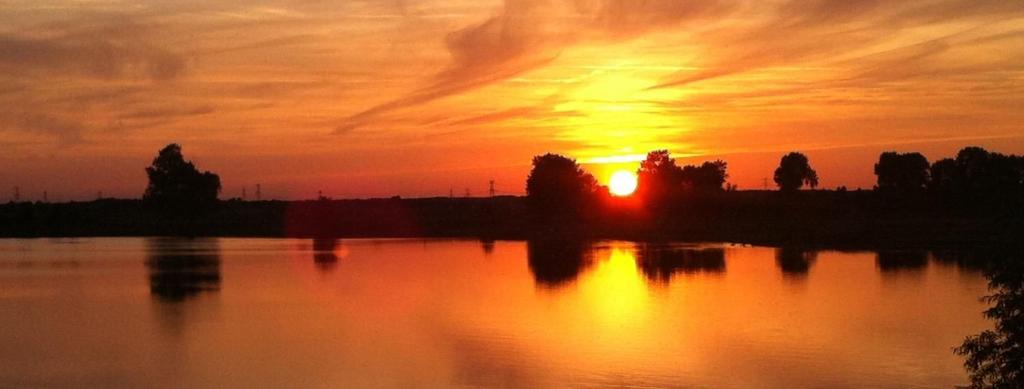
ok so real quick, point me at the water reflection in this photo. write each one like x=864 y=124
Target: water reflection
x=488 y=246
x=795 y=262
x=660 y=262
x=182 y=268
x=970 y=260
x=555 y=262
x=324 y=255
x=401 y=313
x=901 y=260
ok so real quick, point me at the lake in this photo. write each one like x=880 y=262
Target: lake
x=164 y=312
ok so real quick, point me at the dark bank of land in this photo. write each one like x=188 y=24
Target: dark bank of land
x=807 y=218
x=976 y=198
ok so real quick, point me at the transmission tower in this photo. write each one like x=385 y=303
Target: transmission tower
x=490 y=189
x=259 y=194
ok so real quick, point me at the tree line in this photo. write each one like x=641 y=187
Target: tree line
x=559 y=183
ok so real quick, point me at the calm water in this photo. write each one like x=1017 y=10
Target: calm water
x=439 y=313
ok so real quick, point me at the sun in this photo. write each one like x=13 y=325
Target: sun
x=622 y=183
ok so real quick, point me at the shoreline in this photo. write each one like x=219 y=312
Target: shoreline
x=821 y=219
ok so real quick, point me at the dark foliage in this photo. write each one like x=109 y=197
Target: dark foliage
x=902 y=173
x=663 y=185
x=176 y=185
x=962 y=208
x=794 y=172
x=978 y=178
x=660 y=177
x=558 y=187
x=995 y=358
x=708 y=176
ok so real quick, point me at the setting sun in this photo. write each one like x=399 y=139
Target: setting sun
x=622 y=183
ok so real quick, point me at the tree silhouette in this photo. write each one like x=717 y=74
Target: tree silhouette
x=709 y=176
x=660 y=181
x=558 y=186
x=795 y=171
x=977 y=176
x=658 y=177
x=176 y=184
x=902 y=173
x=995 y=358
x=944 y=176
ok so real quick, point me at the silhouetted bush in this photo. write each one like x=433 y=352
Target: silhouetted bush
x=794 y=172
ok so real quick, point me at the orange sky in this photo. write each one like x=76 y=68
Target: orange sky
x=383 y=97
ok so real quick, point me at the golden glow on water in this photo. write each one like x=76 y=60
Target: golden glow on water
x=615 y=291
x=401 y=313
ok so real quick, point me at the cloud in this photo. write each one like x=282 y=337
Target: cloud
x=168 y=112
x=829 y=31
x=108 y=52
x=65 y=131
x=500 y=47
x=627 y=18
x=528 y=34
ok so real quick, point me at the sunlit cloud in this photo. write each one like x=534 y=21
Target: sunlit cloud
x=262 y=91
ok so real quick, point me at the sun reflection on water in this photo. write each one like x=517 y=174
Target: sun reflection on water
x=615 y=291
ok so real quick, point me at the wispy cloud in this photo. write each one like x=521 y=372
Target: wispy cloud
x=168 y=112
x=445 y=78
x=101 y=54
x=528 y=34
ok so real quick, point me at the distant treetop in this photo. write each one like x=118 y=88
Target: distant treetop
x=902 y=173
x=558 y=184
x=794 y=172
x=976 y=174
x=661 y=178
x=176 y=183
